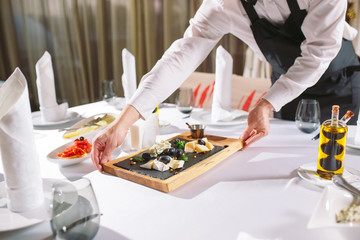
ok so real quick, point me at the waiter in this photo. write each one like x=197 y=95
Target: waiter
x=307 y=42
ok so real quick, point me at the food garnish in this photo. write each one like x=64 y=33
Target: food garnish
x=165 y=156
x=78 y=149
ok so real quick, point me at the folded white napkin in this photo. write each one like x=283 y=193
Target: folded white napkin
x=50 y=110
x=129 y=75
x=17 y=146
x=143 y=132
x=221 y=104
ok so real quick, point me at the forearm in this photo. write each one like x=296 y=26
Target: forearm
x=207 y=27
x=128 y=116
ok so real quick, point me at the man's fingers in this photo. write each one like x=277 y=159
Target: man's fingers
x=248 y=132
x=95 y=156
x=253 y=138
x=107 y=154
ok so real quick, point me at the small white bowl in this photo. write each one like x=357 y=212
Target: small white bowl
x=333 y=200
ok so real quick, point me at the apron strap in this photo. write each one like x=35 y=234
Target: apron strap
x=250 y=10
x=351 y=69
x=293 y=5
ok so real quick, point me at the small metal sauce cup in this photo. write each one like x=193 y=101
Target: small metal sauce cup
x=197 y=130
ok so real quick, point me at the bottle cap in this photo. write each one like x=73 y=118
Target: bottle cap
x=335 y=108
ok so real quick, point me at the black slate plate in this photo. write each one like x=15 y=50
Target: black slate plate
x=193 y=158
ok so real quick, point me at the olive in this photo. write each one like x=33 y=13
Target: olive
x=171 y=151
x=147 y=156
x=201 y=142
x=179 y=152
x=165 y=158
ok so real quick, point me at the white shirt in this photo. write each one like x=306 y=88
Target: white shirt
x=324 y=27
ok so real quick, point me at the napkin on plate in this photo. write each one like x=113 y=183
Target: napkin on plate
x=129 y=75
x=50 y=110
x=143 y=132
x=221 y=104
x=17 y=146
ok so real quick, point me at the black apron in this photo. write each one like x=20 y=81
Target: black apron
x=280 y=45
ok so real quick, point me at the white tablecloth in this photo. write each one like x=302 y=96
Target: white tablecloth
x=254 y=192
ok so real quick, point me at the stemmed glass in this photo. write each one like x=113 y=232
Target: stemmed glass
x=108 y=90
x=307 y=116
x=185 y=100
x=74 y=210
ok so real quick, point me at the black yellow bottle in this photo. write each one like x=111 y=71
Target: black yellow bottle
x=332 y=146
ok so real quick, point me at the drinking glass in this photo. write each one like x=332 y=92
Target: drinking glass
x=108 y=90
x=307 y=116
x=185 y=100
x=74 y=210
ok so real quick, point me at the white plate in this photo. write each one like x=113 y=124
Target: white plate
x=53 y=157
x=38 y=121
x=308 y=173
x=11 y=221
x=85 y=121
x=163 y=123
x=351 y=143
x=204 y=117
x=334 y=199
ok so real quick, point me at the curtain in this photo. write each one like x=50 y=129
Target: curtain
x=85 y=39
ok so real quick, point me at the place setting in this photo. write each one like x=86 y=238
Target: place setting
x=340 y=183
x=222 y=113
x=51 y=114
x=26 y=198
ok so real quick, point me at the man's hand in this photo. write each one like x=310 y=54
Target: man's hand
x=258 y=123
x=105 y=143
x=112 y=136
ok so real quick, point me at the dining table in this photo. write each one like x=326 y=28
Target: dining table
x=255 y=193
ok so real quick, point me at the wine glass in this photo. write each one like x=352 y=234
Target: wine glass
x=74 y=210
x=185 y=100
x=108 y=90
x=307 y=116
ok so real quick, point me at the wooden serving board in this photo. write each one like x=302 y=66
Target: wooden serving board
x=168 y=181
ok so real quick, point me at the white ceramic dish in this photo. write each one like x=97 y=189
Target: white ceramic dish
x=38 y=121
x=334 y=199
x=308 y=173
x=85 y=121
x=11 y=221
x=52 y=156
x=163 y=123
x=204 y=117
x=351 y=143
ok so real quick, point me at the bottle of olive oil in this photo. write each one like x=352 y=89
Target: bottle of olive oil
x=332 y=145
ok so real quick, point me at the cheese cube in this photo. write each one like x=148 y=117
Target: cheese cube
x=160 y=166
x=201 y=148
x=209 y=145
x=190 y=147
x=174 y=164
x=148 y=165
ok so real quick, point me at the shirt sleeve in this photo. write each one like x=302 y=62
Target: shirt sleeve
x=182 y=58
x=323 y=28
